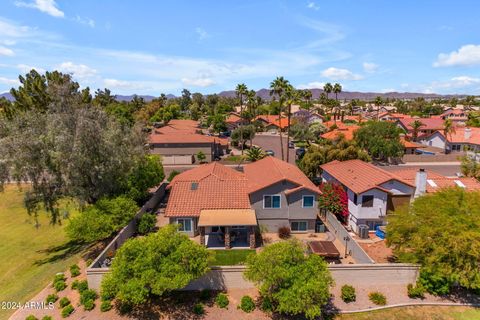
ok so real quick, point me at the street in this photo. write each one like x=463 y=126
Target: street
x=272 y=142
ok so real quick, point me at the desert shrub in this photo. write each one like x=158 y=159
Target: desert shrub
x=47 y=318
x=348 y=293
x=74 y=270
x=147 y=223
x=88 y=305
x=68 y=310
x=82 y=286
x=60 y=285
x=284 y=232
x=198 y=309
x=31 y=317
x=59 y=277
x=205 y=295
x=247 y=304
x=74 y=285
x=416 y=292
x=266 y=305
x=377 y=298
x=105 y=306
x=87 y=295
x=64 y=302
x=222 y=300
x=51 y=298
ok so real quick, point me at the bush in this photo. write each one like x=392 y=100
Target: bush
x=205 y=295
x=60 y=285
x=59 y=277
x=88 y=305
x=105 y=306
x=47 y=318
x=284 y=232
x=377 y=298
x=172 y=175
x=434 y=283
x=31 y=317
x=416 y=292
x=348 y=293
x=74 y=270
x=68 y=310
x=64 y=302
x=87 y=295
x=51 y=298
x=198 y=309
x=82 y=286
x=74 y=285
x=266 y=305
x=222 y=300
x=247 y=304
x=147 y=223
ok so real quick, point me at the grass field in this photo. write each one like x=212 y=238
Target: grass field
x=230 y=257
x=29 y=257
x=416 y=313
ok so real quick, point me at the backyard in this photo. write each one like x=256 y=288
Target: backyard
x=29 y=257
x=230 y=257
x=416 y=313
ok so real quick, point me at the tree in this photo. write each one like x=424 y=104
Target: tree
x=441 y=232
x=378 y=103
x=201 y=157
x=217 y=123
x=154 y=265
x=301 y=132
x=185 y=99
x=327 y=88
x=147 y=173
x=448 y=129
x=283 y=274
x=333 y=199
x=416 y=125
x=241 y=91
x=103 y=98
x=291 y=96
x=241 y=135
x=337 y=88
x=470 y=167
x=277 y=88
x=381 y=139
x=255 y=153
x=101 y=220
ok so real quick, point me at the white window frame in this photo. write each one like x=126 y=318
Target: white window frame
x=272 y=195
x=299 y=222
x=303 y=202
x=183 y=224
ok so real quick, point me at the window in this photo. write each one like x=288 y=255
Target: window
x=271 y=202
x=367 y=201
x=185 y=225
x=308 y=201
x=298 y=225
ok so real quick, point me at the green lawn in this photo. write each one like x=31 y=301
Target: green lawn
x=416 y=313
x=29 y=257
x=230 y=257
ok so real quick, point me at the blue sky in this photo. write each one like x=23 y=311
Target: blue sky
x=153 y=47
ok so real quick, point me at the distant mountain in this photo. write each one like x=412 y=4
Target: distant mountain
x=7 y=95
x=119 y=97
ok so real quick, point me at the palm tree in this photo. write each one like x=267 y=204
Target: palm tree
x=337 y=88
x=255 y=153
x=291 y=96
x=241 y=90
x=378 y=102
x=252 y=105
x=327 y=88
x=448 y=129
x=416 y=125
x=307 y=96
x=277 y=88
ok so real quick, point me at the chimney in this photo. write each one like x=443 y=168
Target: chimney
x=420 y=183
x=467 y=133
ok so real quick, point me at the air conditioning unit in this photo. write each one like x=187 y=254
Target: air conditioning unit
x=363 y=231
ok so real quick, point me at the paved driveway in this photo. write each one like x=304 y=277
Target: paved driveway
x=272 y=142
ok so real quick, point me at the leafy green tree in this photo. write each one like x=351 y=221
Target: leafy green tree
x=167 y=113
x=147 y=223
x=103 y=98
x=154 y=265
x=185 y=100
x=441 y=232
x=301 y=132
x=255 y=154
x=217 y=123
x=381 y=139
x=416 y=126
x=283 y=274
x=473 y=119
x=101 y=220
x=248 y=133
x=470 y=167
x=201 y=156
x=6 y=108
x=147 y=173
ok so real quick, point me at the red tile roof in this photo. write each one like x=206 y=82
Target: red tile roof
x=360 y=176
x=429 y=123
x=233 y=118
x=347 y=132
x=183 y=131
x=459 y=135
x=273 y=120
x=439 y=181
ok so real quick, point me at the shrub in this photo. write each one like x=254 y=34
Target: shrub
x=105 y=306
x=59 y=277
x=60 y=285
x=247 y=304
x=147 y=223
x=82 y=286
x=87 y=295
x=205 y=295
x=198 y=309
x=377 y=298
x=64 y=302
x=172 y=175
x=74 y=285
x=415 y=292
x=74 y=270
x=68 y=310
x=31 y=317
x=88 y=305
x=51 y=298
x=284 y=232
x=47 y=318
x=222 y=300
x=348 y=293
x=266 y=305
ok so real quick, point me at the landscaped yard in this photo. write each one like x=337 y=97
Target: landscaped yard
x=230 y=257
x=416 y=313
x=29 y=257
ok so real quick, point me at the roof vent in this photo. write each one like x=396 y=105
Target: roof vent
x=432 y=183
x=460 y=184
x=194 y=186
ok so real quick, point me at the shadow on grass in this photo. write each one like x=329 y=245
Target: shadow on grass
x=61 y=252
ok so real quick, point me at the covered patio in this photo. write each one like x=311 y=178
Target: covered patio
x=227 y=228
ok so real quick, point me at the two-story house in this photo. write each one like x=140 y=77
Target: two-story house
x=225 y=206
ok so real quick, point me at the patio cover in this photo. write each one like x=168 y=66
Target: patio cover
x=324 y=248
x=227 y=217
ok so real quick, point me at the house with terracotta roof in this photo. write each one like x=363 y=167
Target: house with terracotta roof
x=272 y=123
x=226 y=206
x=461 y=139
x=456 y=115
x=372 y=192
x=430 y=125
x=307 y=117
x=345 y=131
x=234 y=120
x=180 y=141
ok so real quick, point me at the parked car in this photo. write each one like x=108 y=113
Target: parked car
x=270 y=153
x=291 y=145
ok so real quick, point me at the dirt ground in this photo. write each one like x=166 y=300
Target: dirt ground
x=378 y=251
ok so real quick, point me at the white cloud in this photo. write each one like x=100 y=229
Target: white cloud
x=24 y=68
x=80 y=71
x=9 y=82
x=12 y=30
x=202 y=34
x=370 y=67
x=46 y=6
x=467 y=55
x=340 y=74
x=85 y=21
x=465 y=84
x=4 y=51
x=311 y=85
x=121 y=84
x=312 y=5
x=198 y=82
